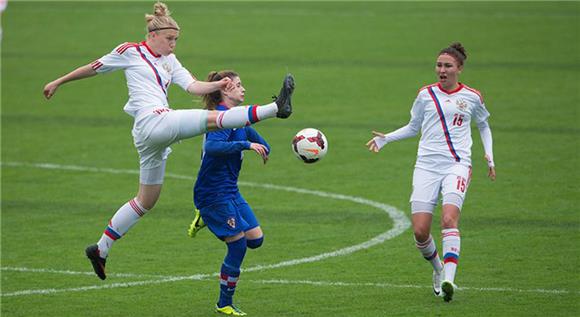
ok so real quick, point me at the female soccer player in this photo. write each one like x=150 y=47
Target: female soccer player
x=443 y=112
x=150 y=66
x=216 y=193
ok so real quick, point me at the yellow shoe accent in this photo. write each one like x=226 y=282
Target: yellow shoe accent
x=230 y=310
x=196 y=225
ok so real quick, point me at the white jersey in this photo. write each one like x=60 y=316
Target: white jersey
x=445 y=118
x=148 y=75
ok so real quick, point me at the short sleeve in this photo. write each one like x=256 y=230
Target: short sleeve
x=417 y=112
x=181 y=76
x=117 y=59
x=480 y=114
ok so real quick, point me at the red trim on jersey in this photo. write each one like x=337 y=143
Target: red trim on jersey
x=159 y=80
x=443 y=124
x=476 y=92
x=149 y=49
x=121 y=49
x=450 y=92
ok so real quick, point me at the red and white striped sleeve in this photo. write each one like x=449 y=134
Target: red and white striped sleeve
x=118 y=58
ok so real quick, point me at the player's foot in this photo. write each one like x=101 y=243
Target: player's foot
x=92 y=252
x=437 y=277
x=284 y=99
x=230 y=310
x=448 y=289
x=196 y=225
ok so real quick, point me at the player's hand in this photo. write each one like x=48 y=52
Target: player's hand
x=372 y=144
x=226 y=84
x=491 y=173
x=50 y=89
x=261 y=150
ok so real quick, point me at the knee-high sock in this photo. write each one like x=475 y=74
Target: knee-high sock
x=451 y=248
x=429 y=252
x=230 y=271
x=239 y=117
x=121 y=222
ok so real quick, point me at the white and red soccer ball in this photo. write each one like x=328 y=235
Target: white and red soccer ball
x=309 y=145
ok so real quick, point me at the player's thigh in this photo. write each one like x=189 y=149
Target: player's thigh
x=152 y=161
x=223 y=219
x=455 y=185
x=247 y=213
x=426 y=187
x=188 y=123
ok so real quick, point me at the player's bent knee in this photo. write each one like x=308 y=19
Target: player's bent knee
x=421 y=234
x=255 y=243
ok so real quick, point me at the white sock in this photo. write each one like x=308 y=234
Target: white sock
x=238 y=117
x=429 y=252
x=451 y=248
x=121 y=222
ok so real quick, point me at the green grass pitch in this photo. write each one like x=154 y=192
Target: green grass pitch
x=68 y=164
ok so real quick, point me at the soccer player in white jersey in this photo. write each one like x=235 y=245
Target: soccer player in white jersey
x=443 y=113
x=150 y=66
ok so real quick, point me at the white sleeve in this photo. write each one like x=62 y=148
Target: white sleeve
x=487 y=140
x=410 y=130
x=480 y=114
x=181 y=75
x=117 y=59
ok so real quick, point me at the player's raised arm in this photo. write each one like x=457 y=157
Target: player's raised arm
x=201 y=88
x=79 y=73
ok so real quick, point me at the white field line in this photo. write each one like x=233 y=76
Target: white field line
x=400 y=221
x=210 y=277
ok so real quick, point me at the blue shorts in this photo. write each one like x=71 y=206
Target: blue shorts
x=228 y=218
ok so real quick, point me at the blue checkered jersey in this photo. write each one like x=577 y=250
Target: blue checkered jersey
x=221 y=162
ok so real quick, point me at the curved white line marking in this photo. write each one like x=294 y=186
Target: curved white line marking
x=208 y=277
x=400 y=221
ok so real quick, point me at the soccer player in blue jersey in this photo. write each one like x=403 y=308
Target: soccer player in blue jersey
x=216 y=195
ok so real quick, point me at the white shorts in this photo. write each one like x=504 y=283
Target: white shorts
x=155 y=129
x=427 y=185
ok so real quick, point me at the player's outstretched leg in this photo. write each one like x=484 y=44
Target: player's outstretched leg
x=238 y=117
x=98 y=263
x=196 y=225
x=284 y=98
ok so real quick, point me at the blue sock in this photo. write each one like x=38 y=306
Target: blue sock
x=230 y=271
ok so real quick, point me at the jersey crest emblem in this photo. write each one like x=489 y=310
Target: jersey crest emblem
x=167 y=67
x=232 y=222
x=461 y=104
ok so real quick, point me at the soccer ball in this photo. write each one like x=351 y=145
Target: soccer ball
x=309 y=145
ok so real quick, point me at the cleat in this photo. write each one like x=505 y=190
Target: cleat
x=437 y=277
x=230 y=310
x=284 y=99
x=98 y=263
x=196 y=225
x=448 y=289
